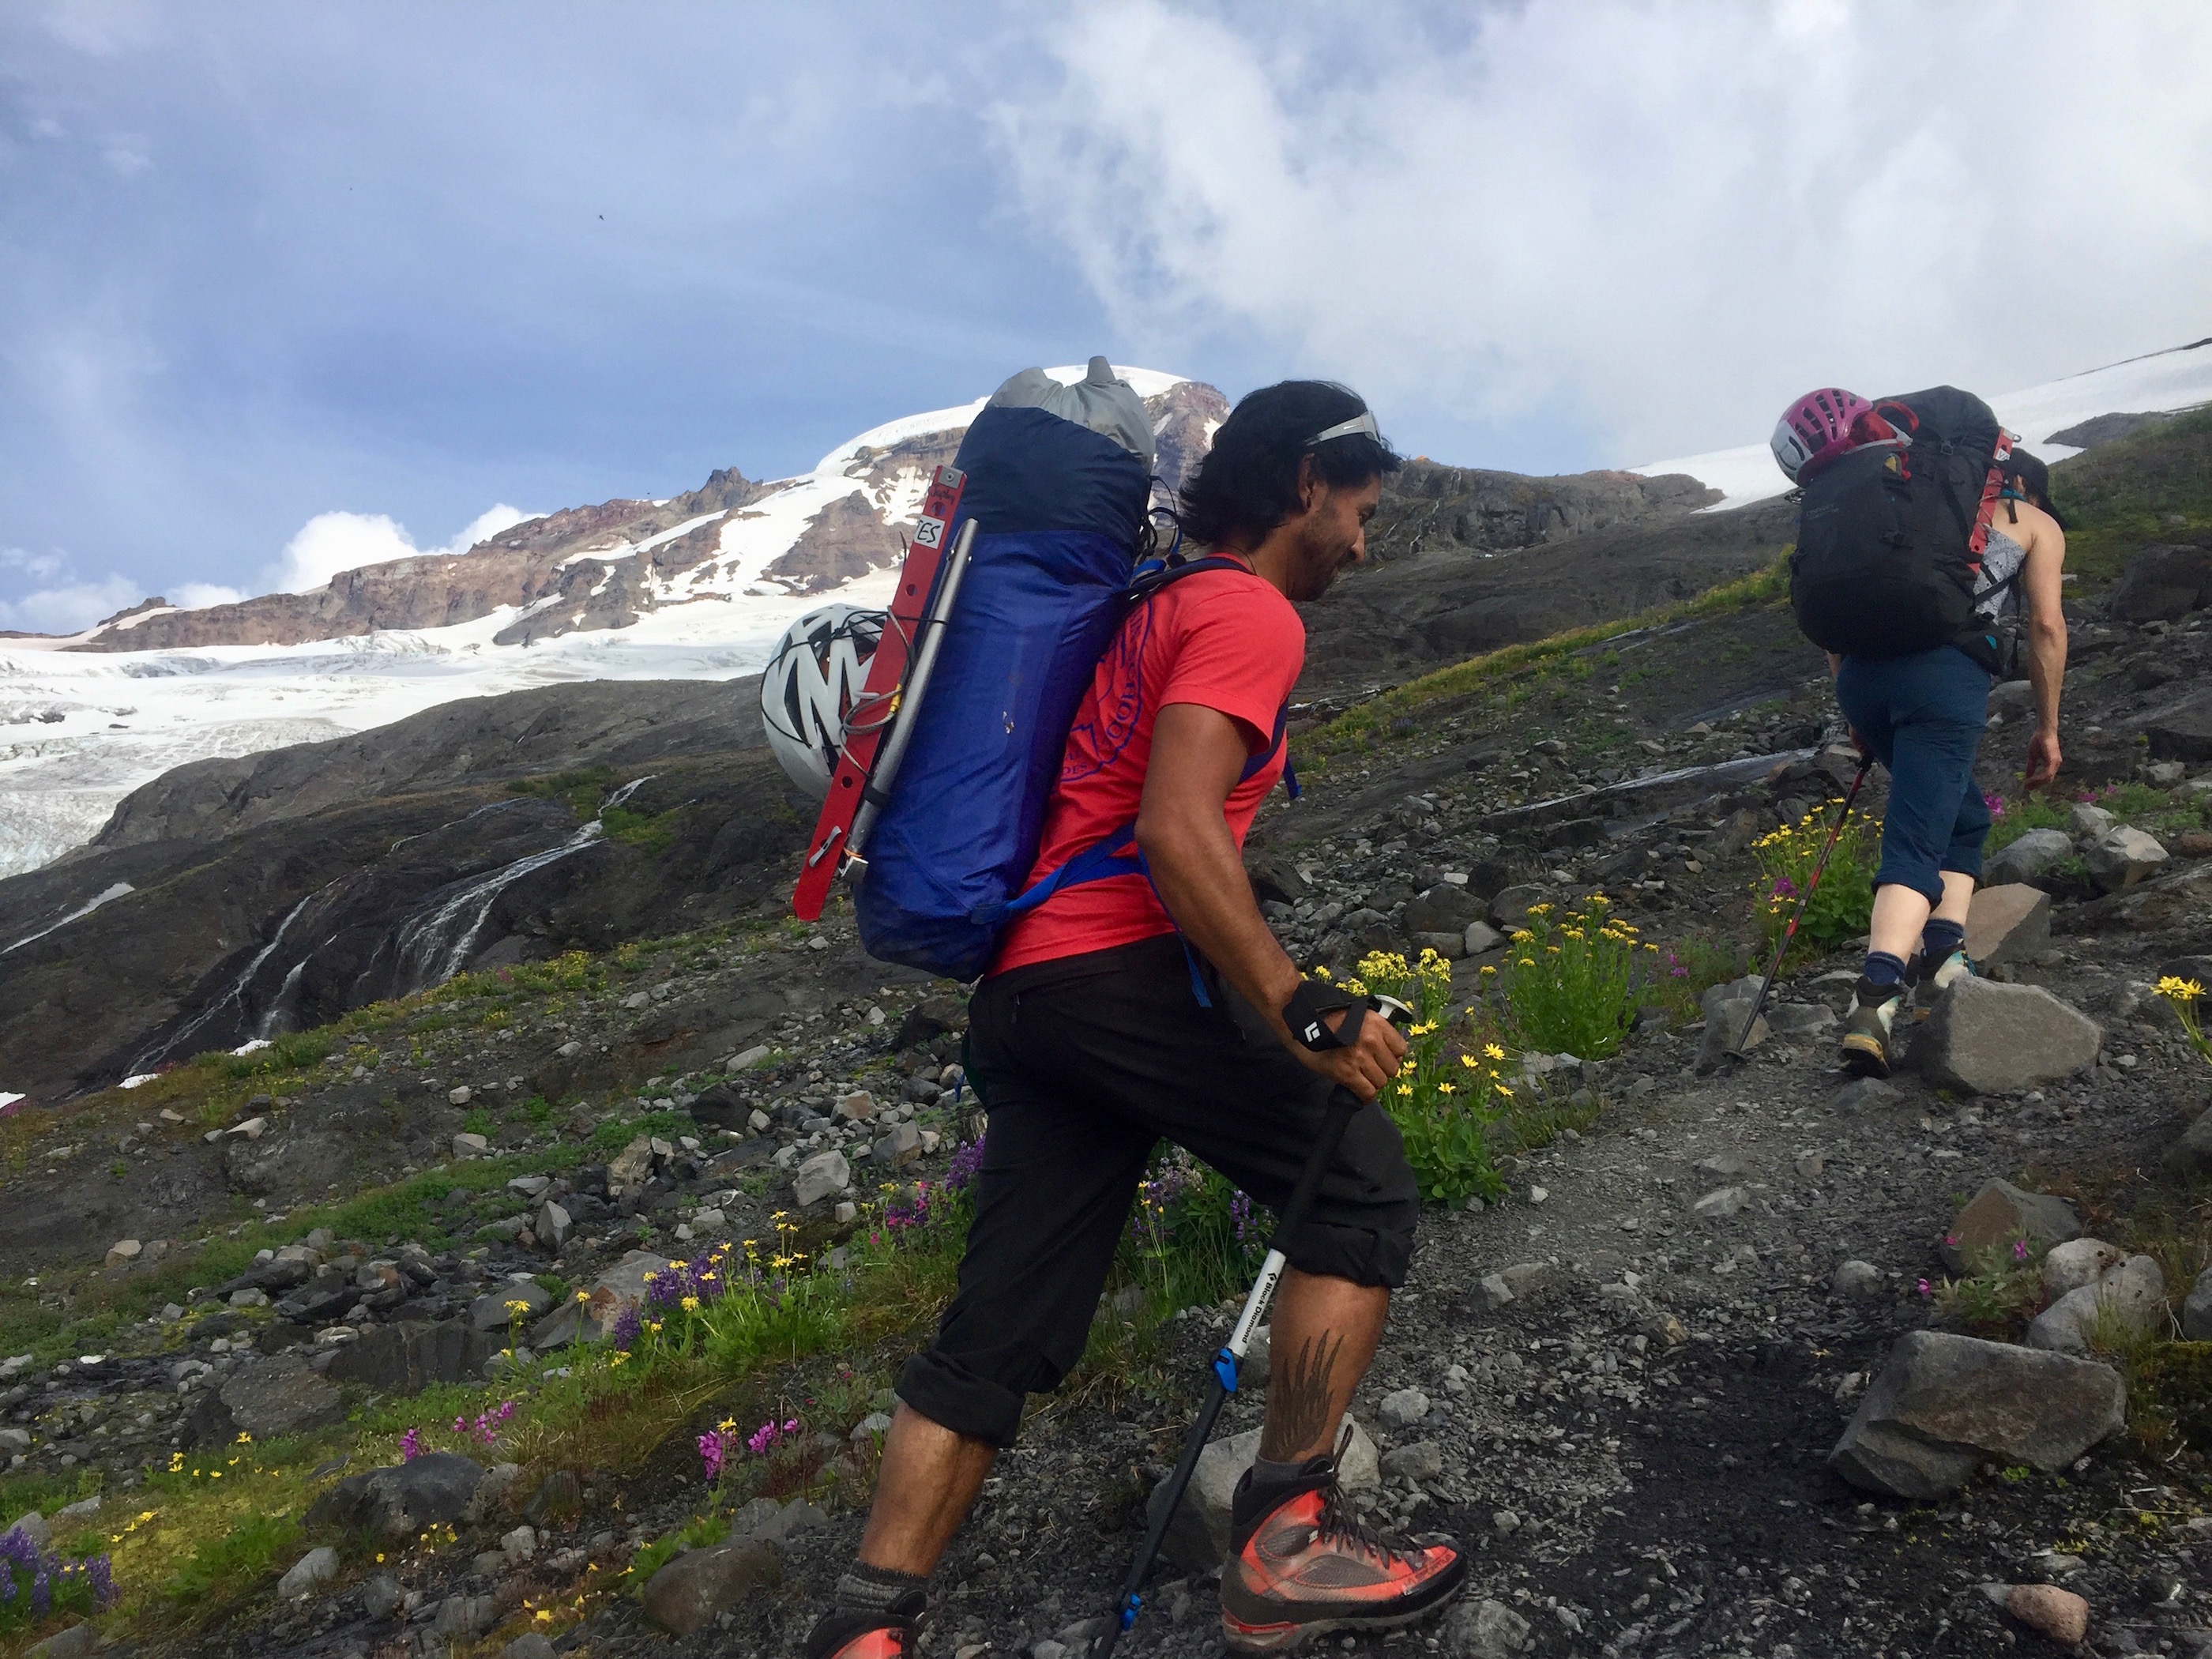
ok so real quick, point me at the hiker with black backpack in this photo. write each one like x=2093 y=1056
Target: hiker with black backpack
x=1929 y=560
x=1157 y=1003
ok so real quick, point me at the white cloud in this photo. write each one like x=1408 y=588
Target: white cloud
x=1660 y=220
x=198 y=596
x=66 y=605
x=331 y=541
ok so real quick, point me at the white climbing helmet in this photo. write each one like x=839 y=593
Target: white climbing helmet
x=810 y=686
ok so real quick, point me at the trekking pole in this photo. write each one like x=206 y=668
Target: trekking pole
x=1343 y=1107
x=1736 y=1049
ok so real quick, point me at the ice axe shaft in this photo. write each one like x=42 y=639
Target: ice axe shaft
x=1343 y=1107
x=1790 y=932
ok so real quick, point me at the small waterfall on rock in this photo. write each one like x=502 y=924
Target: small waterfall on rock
x=434 y=945
x=235 y=994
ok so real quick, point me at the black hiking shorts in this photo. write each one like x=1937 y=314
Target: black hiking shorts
x=1085 y=1064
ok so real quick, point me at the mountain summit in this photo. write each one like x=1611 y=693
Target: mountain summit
x=593 y=567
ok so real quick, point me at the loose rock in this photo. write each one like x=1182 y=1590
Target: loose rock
x=1998 y=1215
x=2196 y=1311
x=2031 y=855
x=1986 y=1038
x=2120 y=858
x=1198 y=1538
x=401 y=1499
x=309 y=1573
x=1485 y=1630
x=1943 y=1404
x=2059 y=1614
x=2007 y=923
x=1404 y=1408
x=823 y=1175
x=2133 y=1293
x=700 y=1584
x=2077 y=1262
x=1857 y=1278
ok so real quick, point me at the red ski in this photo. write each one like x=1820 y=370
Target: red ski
x=895 y=672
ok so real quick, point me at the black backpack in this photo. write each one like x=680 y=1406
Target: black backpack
x=1890 y=535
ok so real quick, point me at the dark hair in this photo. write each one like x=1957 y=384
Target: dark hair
x=1249 y=482
x=2033 y=479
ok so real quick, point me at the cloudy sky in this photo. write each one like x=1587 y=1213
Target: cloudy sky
x=286 y=289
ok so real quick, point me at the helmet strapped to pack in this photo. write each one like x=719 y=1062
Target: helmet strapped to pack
x=812 y=687
x=1820 y=421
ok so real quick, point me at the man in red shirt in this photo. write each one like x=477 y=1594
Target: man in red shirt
x=1091 y=1042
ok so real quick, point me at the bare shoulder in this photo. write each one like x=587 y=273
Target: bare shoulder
x=2044 y=539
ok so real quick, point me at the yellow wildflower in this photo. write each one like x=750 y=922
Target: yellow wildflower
x=690 y=1305
x=1494 y=1051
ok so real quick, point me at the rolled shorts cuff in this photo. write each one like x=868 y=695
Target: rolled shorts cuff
x=1374 y=1258
x=1924 y=879
x=953 y=1397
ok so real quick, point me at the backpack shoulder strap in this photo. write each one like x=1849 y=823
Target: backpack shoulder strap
x=1150 y=577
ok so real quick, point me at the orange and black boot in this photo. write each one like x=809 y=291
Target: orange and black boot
x=1302 y=1563
x=847 y=1633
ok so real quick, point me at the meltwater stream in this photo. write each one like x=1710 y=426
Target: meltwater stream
x=434 y=944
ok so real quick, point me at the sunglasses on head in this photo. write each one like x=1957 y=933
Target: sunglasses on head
x=1358 y=426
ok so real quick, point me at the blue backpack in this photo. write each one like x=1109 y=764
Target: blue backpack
x=1059 y=513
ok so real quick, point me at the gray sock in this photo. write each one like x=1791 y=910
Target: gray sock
x=1266 y=1472
x=865 y=1588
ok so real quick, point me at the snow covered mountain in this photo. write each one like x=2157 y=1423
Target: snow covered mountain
x=697 y=586
x=2162 y=382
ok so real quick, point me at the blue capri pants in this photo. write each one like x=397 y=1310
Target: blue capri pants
x=1924 y=717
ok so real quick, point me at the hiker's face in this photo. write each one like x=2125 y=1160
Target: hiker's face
x=1333 y=534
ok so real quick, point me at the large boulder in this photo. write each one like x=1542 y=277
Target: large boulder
x=1945 y=1404
x=2131 y=1295
x=2027 y=856
x=1999 y=1216
x=1446 y=908
x=2181 y=732
x=700 y=1584
x=408 y=1357
x=2162 y=584
x=1985 y=1038
x=825 y=1175
x=2121 y=857
x=278 y=1396
x=2008 y=924
x=402 y=1499
x=1198 y=1537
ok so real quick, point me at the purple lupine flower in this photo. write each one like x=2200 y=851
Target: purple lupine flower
x=410 y=1445
x=1240 y=1212
x=966 y=1166
x=710 y=1454
x=628 y=1323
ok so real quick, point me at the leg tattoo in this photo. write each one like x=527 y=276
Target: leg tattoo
x=1299 y=1400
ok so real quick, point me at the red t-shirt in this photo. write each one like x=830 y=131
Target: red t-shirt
x=1224 y=639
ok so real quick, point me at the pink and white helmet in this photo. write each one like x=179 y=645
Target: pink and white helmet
x=1813 y=423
